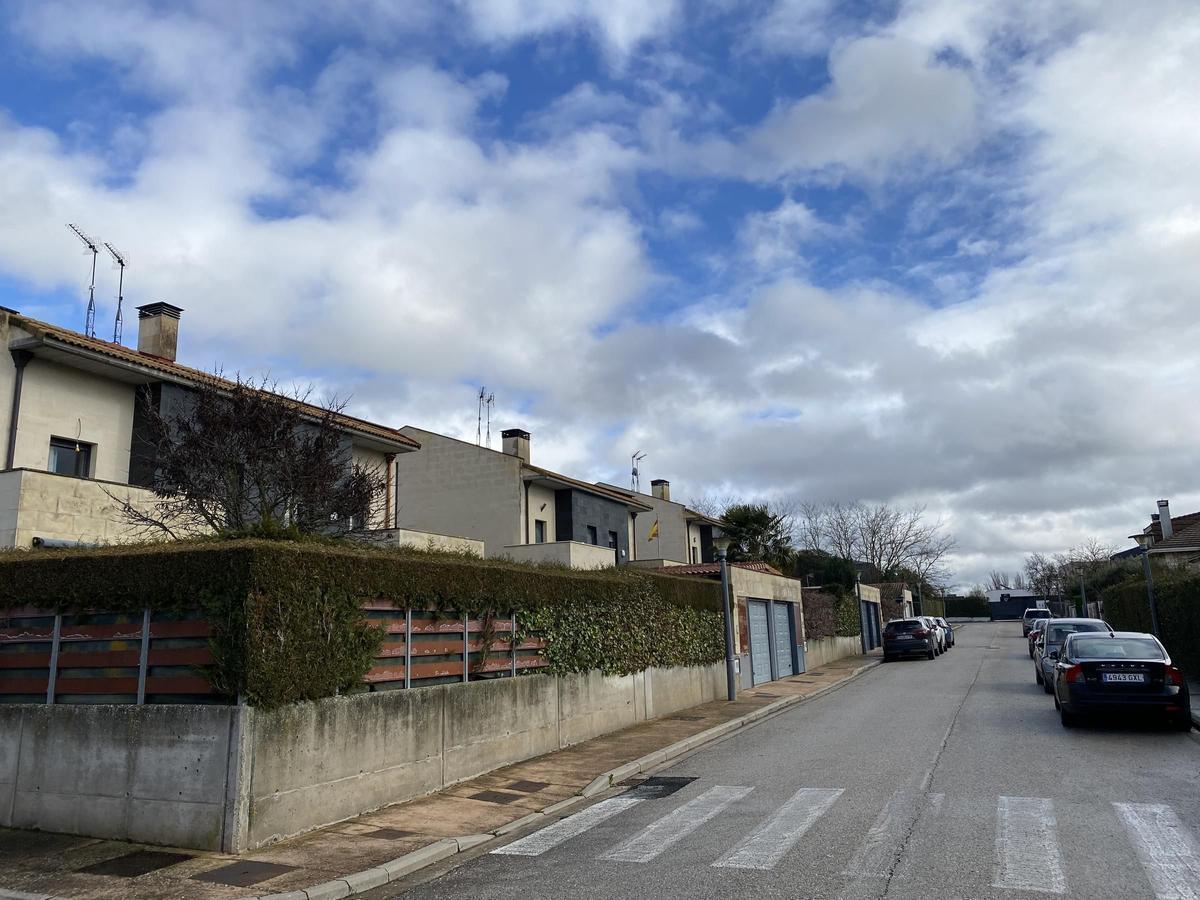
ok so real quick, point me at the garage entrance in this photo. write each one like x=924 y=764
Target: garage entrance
x=773 y=651
x=760 y=641
x=782 y=624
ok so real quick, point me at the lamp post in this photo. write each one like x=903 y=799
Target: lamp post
x=1150 y=591
x=722 y=546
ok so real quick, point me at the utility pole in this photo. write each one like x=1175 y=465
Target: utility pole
x=722 y=545
x=1082 y=594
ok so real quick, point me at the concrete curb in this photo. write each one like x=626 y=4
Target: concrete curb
x=396 y=869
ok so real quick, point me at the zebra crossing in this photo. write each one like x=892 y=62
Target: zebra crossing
x=1027 y=850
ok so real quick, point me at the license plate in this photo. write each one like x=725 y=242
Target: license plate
x=904 y=637
x=1124 y=677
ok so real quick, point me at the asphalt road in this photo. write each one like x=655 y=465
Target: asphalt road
x=921 y=779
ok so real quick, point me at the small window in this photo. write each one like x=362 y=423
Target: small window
x=593 y=535
x=539 y=531
x=69 y=457
x=695 y=554
x=612 y=540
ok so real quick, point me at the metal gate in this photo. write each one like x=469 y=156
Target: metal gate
x=782 y=623
x=760 y=641
x=869 y=625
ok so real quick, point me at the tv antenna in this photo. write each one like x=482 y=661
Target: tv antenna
x=120 y=260
x=89 y=327
x=488 y=403
x=635 y=483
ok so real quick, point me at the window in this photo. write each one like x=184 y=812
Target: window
x=612 y=540
x=695 y=554
x=539 y=531
x=593 y=536
x=69 y=457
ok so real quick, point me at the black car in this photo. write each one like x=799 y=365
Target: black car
x=909 y=637
x=1119 y=671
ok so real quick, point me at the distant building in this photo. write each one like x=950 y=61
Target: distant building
x=1174 y=540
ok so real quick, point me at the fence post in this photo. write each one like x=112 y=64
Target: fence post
x=466 y=648
x=144 y=657
x=407 y=648
x=512 y=644
x=54 y=641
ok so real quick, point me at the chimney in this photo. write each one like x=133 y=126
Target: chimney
x=1164 y=519
x=158 y=330
x=661 y=488
x=516 y=443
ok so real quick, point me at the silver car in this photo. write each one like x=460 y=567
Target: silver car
x=1049 y=646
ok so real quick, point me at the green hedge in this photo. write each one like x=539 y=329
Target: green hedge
x=967 y=607
x=1127 y=608
x=286 y=616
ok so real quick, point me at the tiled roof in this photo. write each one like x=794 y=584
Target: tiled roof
x=611 y=493
x=1183 y=539
x=1178 y=524
x=122 y=354
x=891 y=589
x=715 y=568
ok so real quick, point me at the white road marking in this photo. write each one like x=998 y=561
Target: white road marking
x=767 y=844
x=675 y=826
x=563 y=830
x=1027 y=857
x=1167 y=850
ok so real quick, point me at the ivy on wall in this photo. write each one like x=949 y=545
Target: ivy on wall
x=830 y=611
x=286 y=618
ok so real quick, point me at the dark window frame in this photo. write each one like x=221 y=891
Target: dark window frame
x=83 y=456
x=539 y=531
x=593 y=534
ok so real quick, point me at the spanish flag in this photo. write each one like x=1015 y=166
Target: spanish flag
x=653 y=531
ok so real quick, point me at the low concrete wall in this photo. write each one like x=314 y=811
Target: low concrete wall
x=156 y=774
x=420 y=540
x=825 y=650
x=59 y=507
x=316 y=763
x=567 y=553
x=236 y=778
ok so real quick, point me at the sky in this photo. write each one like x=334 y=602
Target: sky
x=925 y=251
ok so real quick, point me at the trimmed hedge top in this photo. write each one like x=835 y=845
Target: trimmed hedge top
x=276 y=608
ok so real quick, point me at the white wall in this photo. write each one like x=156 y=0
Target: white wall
x=373 y=460
x=452 y=487
x=64 y=402
x=540 y=497
x=574 y=554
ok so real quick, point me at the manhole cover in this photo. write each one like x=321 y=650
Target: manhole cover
x=658 y=787
x=131 y=865
x=494 y=797
x=243 y=873
x=528 y=787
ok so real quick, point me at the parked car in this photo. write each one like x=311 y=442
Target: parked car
x=1119 y=671
x=947 y=629
x=939 y=635
x=1029 y=616
x=907 y=637
x=1049 y=646
x=1034 y=634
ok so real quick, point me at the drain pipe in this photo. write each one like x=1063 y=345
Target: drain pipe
x=21 y=358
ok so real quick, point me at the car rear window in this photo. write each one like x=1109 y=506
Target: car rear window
x=1037 y=614
x=1115 y=648
x=907 y=627
x=1057 y=633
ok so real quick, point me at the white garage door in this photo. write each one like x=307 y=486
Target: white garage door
x=760 y=642
x=783 y=641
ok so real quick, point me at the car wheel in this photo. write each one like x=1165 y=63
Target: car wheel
x=1056 y=706
x=1069 y=720
x=1037 y=676
x=931 y=653
x=1183 y=723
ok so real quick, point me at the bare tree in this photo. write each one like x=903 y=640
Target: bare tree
x=240 y=456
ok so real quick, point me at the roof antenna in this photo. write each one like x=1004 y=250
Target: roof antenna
x=479 y=416
x=635 y=483
x=89 y=327
x=489 y=402
x=120 y=260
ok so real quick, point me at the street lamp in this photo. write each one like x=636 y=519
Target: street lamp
x=1150 y=591
x=722 y=546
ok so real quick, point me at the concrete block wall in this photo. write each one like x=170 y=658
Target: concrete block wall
x=236 y=778
x=59 y=507
x=825 y=650
x=156 y=774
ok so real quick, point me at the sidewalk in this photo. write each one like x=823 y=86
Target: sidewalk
x=383 y=846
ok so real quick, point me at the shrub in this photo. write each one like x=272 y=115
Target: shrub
x=1127 y=607
x=286 y=617
x=830 y=611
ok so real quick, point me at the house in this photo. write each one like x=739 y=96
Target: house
x=1173 y=540
x=671 y=531
x=72 y=410
x=518 y=510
